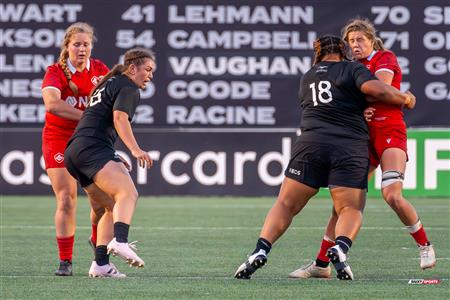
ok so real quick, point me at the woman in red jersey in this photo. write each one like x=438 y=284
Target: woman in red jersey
x=65 y=91
x=387 y=131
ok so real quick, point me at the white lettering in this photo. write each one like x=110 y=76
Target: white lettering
x=33 y=13
x=219 y=90
x=437 y=91
x=239 y=65
x=166 y=168
x=221 y=115
x=432 y=163
x=218 y=159
x=436 y=15
x=26 y=159
x=221 y=14
x=437 y=65
x=273 y=156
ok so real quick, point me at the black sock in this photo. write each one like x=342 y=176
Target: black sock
x=101 y=255
x=263 y=244
x=121 y=232
x=321 y=263
x=344 y=242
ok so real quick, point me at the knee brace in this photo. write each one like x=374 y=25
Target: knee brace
x=391 y=176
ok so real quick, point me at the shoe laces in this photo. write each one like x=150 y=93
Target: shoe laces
x=133 y=246
x=309 y=267
x=424 y=251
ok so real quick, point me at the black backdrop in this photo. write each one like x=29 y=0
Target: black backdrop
x=227 y=77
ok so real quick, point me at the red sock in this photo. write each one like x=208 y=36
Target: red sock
x=65 y=247
x=94 y=234
x=420 y=237
x=326 y=244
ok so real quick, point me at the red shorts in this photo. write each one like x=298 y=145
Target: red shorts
x=53 y=151
x=384 y=135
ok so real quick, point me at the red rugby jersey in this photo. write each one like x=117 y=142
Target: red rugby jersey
x=385 y=60
x=85 y=81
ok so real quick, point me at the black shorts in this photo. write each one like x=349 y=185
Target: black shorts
x=84 y=158
x=322 y=165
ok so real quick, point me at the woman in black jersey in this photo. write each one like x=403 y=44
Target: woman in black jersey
x=332 y=151
x=90 y=152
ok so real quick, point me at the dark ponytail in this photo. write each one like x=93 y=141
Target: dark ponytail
x=136 y=56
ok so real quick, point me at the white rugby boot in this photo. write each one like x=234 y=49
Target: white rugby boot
x=253 y=263
x=311 y=271
x=125 y=251
x=339 y=261
x=427 y=257
x=109 y=271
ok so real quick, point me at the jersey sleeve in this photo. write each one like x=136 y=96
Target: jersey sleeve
x=387 y=62
x=361 y=74
x=127 y=100
x=52 y=78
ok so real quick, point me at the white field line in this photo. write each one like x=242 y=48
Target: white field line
x=217 y=228
x=213 y=277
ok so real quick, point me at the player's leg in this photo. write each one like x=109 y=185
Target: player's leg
x=101 y=202
x=65 y=189
x=349 y=205
x=393 y=165
x=292 y=197
x=319 y=268
x=125 y=197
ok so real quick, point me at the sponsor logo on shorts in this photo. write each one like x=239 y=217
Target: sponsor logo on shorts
x=59 y=157
x=295 y=172
x=388 y=140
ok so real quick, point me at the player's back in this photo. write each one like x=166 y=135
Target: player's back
x=332 y=103
x=97 y=120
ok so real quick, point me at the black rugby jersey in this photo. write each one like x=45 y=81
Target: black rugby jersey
x=118 y=93
x=332 y=104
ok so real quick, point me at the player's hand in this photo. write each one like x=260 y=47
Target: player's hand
x=368 y=113
x=124 y=161
x=412 y=102
x=144 y=160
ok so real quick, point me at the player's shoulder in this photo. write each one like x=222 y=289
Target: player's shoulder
x=385 y=55
x=352 y=65
x=55 y=68
x=98 y=64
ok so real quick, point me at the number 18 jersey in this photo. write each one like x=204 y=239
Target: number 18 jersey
x=332 y=103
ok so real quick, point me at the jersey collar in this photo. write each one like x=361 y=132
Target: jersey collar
x=73 y=69
x=371 y=55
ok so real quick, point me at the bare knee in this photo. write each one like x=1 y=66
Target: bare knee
x=350 y=209
x=394 y=200
x=66 y=202
x=131 y=195
x=290 y=205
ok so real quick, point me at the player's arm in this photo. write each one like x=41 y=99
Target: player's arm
x=123 y=111
x=55 y=105
x=379 y=91
x=385 y=76
x=123 y=128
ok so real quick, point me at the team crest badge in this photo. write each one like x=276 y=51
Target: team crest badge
x=59 y=157
x=95 y=80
